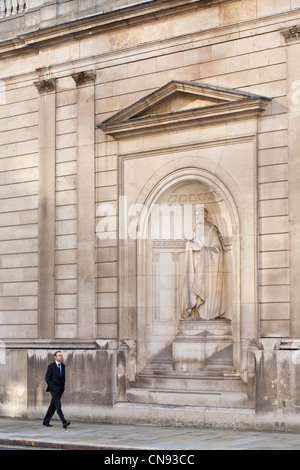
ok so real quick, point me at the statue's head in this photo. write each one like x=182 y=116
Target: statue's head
x=201 y=214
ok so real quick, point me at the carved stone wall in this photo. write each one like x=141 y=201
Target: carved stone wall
x=159 y=102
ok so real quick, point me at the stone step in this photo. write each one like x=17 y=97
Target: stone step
x=217 y=399
x=207 y=381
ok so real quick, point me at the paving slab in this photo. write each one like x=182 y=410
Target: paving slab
x=97 y=436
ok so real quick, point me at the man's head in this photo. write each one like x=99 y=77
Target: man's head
x=58 y=356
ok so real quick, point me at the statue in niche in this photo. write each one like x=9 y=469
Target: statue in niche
x=203 y=290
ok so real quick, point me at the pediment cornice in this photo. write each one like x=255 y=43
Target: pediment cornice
x=202 y=104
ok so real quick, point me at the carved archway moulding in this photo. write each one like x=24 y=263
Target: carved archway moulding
x=155 y=188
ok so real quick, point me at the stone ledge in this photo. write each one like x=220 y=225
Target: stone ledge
x=281 y=344
x=289 y=344
x=207 y=398
x=49 y=344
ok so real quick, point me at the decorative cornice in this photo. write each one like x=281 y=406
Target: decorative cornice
x=181 y=119
x=84 y=78
x=292 y=33
x=143 y=117
x=103 y=21
x=46 y=86
x=77 y=28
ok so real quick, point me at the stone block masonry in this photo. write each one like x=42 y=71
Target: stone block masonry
x=155 y=102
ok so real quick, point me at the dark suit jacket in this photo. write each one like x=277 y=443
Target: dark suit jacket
x=54 y=381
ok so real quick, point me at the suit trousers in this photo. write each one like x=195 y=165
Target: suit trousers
x=55 y=405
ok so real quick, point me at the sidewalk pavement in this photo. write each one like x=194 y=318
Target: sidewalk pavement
x=92 y=436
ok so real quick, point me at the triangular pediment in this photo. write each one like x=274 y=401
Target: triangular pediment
x=178 y=102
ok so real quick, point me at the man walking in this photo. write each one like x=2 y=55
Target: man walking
x=55 y=378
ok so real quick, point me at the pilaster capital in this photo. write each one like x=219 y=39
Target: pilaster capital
x=46 y=86
x=292 y=33
x=84 y=78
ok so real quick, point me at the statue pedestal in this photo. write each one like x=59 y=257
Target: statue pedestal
x=198 y=341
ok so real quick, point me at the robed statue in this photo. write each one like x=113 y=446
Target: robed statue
x=203 y=289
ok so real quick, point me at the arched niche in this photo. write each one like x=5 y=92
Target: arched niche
x=166 y=222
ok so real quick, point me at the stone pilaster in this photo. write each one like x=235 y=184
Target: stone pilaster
x=47 y=148
x=292 y=37
x=86 y=320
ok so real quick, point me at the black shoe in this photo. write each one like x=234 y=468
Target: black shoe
x=48 y=425
x=66 y=424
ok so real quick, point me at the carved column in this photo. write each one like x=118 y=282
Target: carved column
x=86 y=312
x=47 y=148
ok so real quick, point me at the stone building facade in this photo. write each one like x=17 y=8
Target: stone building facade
x=118 y=119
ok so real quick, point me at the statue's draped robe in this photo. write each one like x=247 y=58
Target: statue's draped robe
x=203 y=289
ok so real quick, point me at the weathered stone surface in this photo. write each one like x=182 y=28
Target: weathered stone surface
x=111 y=112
